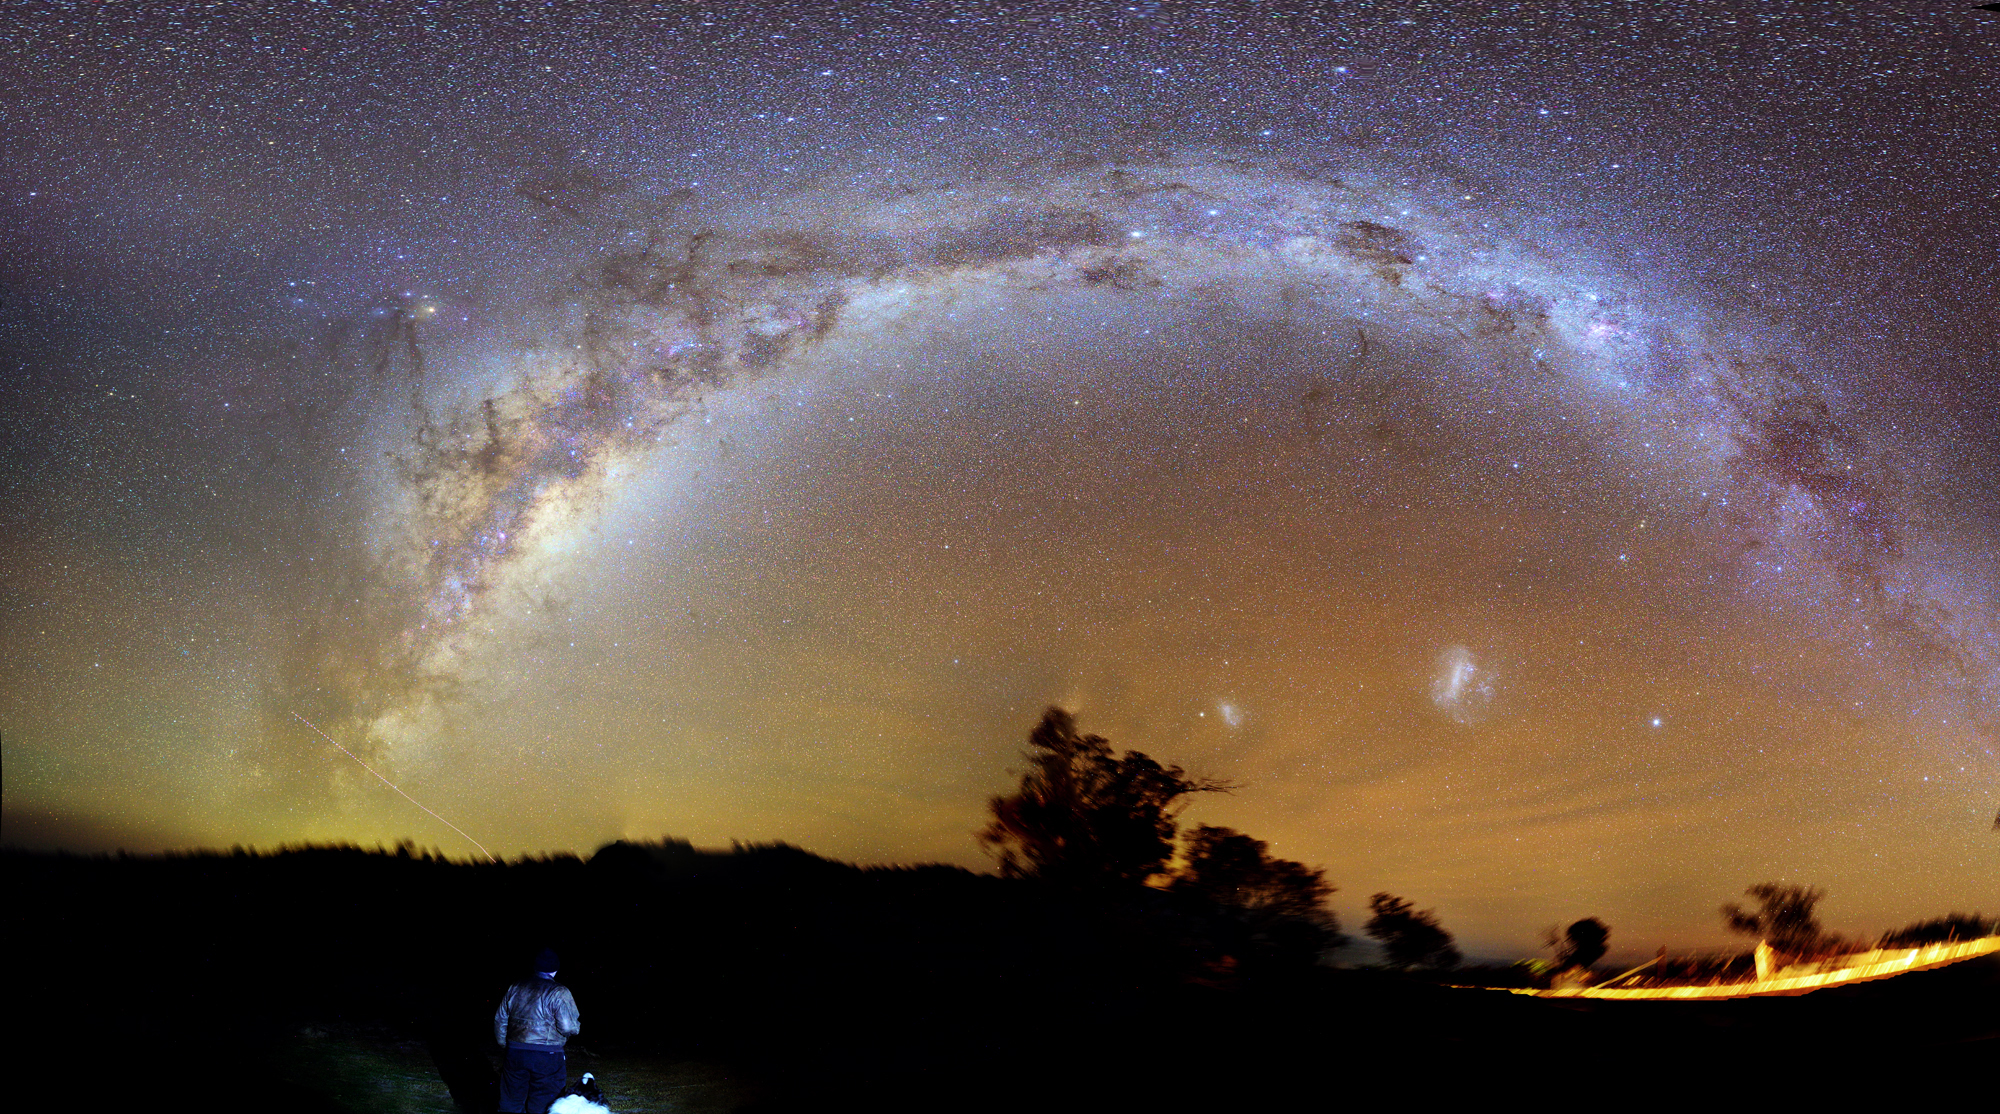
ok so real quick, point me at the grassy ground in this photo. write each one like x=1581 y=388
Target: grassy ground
x=363 y=1072
x=376 y=1072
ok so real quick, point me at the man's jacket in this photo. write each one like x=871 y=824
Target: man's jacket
x=537 y=1012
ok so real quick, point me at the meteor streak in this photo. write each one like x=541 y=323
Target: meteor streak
x=392 y=785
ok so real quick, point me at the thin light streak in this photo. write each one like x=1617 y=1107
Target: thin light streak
x=392 y=785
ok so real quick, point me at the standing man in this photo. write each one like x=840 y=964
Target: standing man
x=534 y=1019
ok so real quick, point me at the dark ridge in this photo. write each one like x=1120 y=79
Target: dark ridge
x=824 y=984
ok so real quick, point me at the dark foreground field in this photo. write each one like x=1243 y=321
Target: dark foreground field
x=338 y=980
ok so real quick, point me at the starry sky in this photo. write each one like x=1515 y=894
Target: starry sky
x=1543 y=453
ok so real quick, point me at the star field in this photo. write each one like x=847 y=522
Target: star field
x=1545 y=455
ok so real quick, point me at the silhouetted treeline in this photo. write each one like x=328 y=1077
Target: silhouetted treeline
x=1942 y=930
x=765 y=956
x=827 y=985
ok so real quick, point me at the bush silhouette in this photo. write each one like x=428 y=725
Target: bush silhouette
x=1409 y=937
x=1583 y=943
x=1784 y=916
x=1281 y=903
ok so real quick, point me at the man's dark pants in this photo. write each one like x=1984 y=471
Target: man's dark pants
x=531 y=1080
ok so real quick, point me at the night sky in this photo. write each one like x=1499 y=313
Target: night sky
x=1544 y=453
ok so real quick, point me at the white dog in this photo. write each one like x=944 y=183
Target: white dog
x=584 y=1098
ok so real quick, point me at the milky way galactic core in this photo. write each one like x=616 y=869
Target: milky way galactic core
x=1545 y=495
x=1718 y=432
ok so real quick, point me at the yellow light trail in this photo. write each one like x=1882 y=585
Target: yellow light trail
x=1859 y=968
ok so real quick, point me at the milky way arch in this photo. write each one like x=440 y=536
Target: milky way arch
x=720 y=297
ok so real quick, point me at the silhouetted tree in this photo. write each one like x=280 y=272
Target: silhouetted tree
x=1582 y=943
x=1282 y=903
x=1410 y=937
x=1783 y=918
x=1084 y=818
x=1941 y=930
